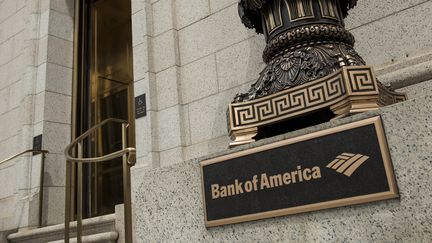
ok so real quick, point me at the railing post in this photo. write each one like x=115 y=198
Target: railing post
x=67 y=200
x=126 y=189
x=41 y=182
x=125 y=153
x=79 y=194
x=41 y=190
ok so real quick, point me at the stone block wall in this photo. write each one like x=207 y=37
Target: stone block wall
x=35 y=98
x=197 y=56
x=169 y=205
x=192 y=57
x=12 y=58
x=15 y=120
x=53 y=102
x=391 y=31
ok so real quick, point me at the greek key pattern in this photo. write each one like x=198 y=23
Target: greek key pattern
x=361 y=80
x=324 y=92
x=289 y=102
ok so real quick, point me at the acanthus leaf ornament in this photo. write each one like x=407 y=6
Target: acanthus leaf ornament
x=310 y=58
x=300 y=66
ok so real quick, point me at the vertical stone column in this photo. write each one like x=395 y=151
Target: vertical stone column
x=159 y=135
x=143 y=82
x=38 y=80
x=52 y=108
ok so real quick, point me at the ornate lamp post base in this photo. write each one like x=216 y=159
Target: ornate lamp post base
x=311 y=66
x=348 y=91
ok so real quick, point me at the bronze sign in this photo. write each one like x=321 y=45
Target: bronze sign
x=340 y=166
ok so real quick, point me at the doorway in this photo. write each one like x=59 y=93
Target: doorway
x=104 y=90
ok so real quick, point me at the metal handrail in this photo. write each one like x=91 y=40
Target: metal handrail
x=41 y=179
x=69 y=149
x=24 y=152
x=125 y=152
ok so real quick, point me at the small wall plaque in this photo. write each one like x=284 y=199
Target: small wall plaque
x=140 y=106
x=341 y=166
x=37 y=143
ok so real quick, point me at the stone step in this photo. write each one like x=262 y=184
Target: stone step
x=92 y=228
x=107 y=237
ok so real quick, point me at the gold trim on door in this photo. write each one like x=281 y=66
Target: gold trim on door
x=103 y=63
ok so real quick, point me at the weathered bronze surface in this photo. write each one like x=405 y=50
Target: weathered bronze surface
x=306 y=40
x=345 y=165
x=307 y=46
x=300 y=66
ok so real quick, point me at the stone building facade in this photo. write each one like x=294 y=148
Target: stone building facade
x=190 y=58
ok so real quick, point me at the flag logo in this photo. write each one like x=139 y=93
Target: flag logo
x=347 y=163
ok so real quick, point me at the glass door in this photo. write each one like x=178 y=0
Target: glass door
x=106 y=91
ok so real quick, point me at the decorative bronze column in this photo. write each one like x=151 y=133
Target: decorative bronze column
x=311 y=65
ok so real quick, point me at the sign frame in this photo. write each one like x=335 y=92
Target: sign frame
x=37 y=144
x=140 y=106
x=383 y=146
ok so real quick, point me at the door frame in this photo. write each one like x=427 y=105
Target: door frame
x=81 y=57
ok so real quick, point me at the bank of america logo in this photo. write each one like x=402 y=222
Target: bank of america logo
x=347 y=163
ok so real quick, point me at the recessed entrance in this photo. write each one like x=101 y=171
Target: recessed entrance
x=104 y=90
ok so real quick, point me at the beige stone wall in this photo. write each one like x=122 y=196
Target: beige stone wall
x=15 y=102
x=12 y=64
x=35 y=98
x=395 y=37
x=52 y=116
x=192 y=57
x=391 y=31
